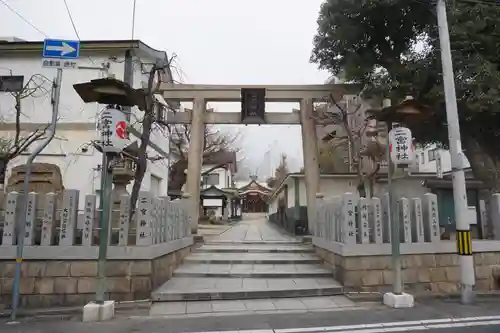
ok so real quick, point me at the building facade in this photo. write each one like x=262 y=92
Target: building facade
x=431 y=158
x=218 y=193
x=71 y=151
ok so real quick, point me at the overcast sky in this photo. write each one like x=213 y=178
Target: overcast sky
x=216 y=41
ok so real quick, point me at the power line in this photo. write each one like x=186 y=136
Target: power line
x=74 y=27
x=71 y=19
x=23 y=18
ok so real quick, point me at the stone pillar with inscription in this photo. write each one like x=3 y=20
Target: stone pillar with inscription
x=89 y=217
x=48 y=222
x=195 y=160
x=124 y=220
x=417 y=220
x=431 y=218
x=349 y=203
x=310 y=154
x=386 y=218
x=30 y=219
x=376 y=220
x=69 y=213
x=364 y=229
x=9 y=227
x=144 y=233
x=404 y=217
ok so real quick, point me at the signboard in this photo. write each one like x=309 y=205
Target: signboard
x=113 y=130
x=64 y=64
x=11 y=83
x=58 y=53
x=253 y=105
x=401 y=146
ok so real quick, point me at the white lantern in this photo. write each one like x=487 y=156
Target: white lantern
x=401 y=146
x=113 y=130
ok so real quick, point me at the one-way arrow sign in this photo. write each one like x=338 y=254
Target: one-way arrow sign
x=61 y=49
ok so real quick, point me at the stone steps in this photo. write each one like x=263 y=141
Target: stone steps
x=254 y=266
x=252 y=258
x=253 y=270
x=258 y=242
x=255 y=248
x=197 y=289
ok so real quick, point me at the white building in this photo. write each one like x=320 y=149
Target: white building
x=217 y=183
x=430 y=156
x=70 y=150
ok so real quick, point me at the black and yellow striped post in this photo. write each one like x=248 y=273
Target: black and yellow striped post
x=464 y=242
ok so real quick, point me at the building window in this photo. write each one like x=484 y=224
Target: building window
x=211 y=179
x=432 y=154
x=422 y=157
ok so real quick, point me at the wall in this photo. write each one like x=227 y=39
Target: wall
x=329 y=186
x=430 y=166
x=223 y=176
x=337 y=185
x=78 y=168
x=422 y=273
x=47 y=283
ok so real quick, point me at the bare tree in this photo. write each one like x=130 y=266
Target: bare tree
x=11 y=146
x=358 y=144
x=158 y=71
x=215 y=142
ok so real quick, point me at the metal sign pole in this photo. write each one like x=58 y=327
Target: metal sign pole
x=104 y=225
x=397 y=284
x=22 y=226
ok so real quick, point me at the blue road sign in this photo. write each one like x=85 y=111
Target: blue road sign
x=61 y=49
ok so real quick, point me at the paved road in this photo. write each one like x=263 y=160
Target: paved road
x=429 y=317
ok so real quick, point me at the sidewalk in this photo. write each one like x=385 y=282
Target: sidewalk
x=366 y=313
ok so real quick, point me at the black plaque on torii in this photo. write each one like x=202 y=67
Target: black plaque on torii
x=253 y=105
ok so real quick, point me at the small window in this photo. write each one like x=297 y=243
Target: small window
x=422 y=157
x=432 y=154
x=211 y=179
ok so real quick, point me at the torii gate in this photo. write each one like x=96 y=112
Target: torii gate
x=306 y=95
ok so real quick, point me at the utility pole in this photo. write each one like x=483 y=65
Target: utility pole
x=56 y=93
x=464 y=244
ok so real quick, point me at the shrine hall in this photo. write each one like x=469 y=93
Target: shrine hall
x=254 y=197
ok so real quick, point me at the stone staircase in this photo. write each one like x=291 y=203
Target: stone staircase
x=239 y=270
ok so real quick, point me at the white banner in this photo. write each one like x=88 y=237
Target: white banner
x=113 y=130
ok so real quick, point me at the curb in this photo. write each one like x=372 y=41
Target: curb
x=73 y=310
x=378 y=297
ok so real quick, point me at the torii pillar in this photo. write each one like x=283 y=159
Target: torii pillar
x=310 y=154
x=195 y=160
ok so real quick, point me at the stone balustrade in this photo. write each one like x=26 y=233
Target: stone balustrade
x=351 y=220
x=353 y=235
x=62 y=242
x=49 y=228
